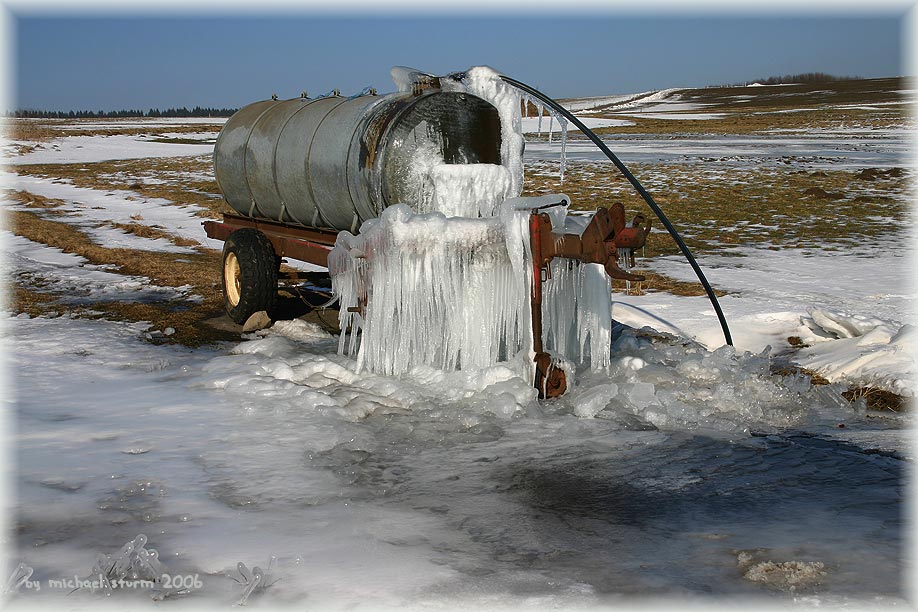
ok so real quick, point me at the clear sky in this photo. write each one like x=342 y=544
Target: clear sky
x=95 y=62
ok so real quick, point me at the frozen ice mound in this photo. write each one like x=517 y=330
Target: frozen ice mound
x=654 y=382
x=861 y=350
x=299 y=376
x=673 y=383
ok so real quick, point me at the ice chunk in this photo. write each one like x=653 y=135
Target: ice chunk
x=133 y=562
x=252 y=580
x=405 y=78
x=467 y=190
x=593 y=399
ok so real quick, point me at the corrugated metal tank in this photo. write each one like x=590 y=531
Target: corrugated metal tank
x=335 y=162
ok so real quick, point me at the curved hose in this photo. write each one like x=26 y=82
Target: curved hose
x=640 y=189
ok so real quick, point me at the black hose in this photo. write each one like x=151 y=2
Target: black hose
x=640 y=189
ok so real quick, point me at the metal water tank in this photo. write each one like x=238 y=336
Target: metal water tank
x=335 y=162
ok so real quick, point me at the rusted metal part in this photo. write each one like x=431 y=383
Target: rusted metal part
x=550 y=380
x=599 y=243
x=302 y=243
x=535 y=243
x=423 y=83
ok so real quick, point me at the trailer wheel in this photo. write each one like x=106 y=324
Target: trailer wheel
x=249 y=274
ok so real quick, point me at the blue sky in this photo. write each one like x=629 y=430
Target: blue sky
x=94 y=62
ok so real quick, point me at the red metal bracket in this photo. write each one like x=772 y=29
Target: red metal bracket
x=598 y=243
x=304 y=243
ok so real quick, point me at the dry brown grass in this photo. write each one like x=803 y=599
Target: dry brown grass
x=816 y=379
x=189 y=323
x=716 y=206
x=660 y=282
x=43 y=130
x=50 y=206
x=189 y=179
x=200 y=270
x=875 y=399
x=168 y=269
x=32 y=200
x=33 y=303
x=17 y=129
x=755 y=121
x=750 y=110
x=146 y=231
x=878 y=399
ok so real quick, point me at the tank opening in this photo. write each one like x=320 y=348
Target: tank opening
x=444 y=155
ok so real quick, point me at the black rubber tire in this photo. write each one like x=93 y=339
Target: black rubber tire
x=250 y=259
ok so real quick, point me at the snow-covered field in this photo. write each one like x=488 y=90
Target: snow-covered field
x=836 y=149
x=689 y=471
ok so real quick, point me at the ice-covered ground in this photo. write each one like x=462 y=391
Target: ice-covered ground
x=437 y=490
x=91 y=207
x=88 y=149
x=825 y=149
x=682 y=473
x=856 y=311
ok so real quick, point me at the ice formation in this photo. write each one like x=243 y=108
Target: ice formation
x=446 y=281
x=439 y=291
x=252 y=580
x=670 y=383
x=861 y=350
x=19 y=576
x=563 y=123
x=133 y=562
x=575 y=310
x=485 y=83
x=465 y=190
x=455 y=293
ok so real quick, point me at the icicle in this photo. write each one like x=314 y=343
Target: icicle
x=540 y=108
x=624 y=262
x=445 y=293
x=551 y=123
x=526 y=106
x=563 y=122
x=576 y=313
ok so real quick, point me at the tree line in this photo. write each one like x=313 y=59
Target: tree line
x=806 y=77
x=197 y=111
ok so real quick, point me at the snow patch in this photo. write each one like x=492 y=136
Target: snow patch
x=862 y=350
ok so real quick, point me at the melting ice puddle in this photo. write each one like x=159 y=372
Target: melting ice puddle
x=422 y=489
